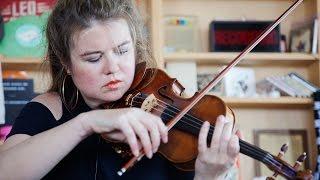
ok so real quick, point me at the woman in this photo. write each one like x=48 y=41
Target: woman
x=93 y=48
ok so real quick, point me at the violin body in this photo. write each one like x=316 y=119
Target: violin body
x=182 y=147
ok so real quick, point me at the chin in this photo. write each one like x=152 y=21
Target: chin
x=113 y=96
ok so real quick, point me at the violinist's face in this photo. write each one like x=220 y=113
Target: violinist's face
x=103 y=61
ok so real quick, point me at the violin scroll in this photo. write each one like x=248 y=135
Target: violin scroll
x=300 y=175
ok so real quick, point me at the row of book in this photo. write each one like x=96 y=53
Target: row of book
x=17 y=89
x=291 y=84
x=240 y=82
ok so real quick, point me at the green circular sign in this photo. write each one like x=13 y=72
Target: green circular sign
x=28 y=35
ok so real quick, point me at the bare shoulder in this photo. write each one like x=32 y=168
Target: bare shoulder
x=52 y=101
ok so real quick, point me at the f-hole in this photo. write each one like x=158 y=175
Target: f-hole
x=163 y=91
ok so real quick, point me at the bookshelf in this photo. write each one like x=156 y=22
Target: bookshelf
x=6 y=60
x=20 y=63
x=251 y=113
x=34 y=68
x=251 y=59
x=282 y=102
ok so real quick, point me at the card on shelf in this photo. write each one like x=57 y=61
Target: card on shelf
x=186 y=74
x=240 y=82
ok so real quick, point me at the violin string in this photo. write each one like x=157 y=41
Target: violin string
x=173 y=107
x=187 y=116
x=258 y=153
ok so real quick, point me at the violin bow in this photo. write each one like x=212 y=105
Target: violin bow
x=216 y=80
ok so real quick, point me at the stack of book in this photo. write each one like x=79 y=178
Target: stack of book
x=18 y=91
x=291 y=84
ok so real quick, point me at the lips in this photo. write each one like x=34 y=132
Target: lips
x=113 y=84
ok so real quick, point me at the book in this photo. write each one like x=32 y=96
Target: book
x=17 y=93
x=303 y=81
x=266 y=89
x=315 y=36
x=300 y=89
x=284 y=89
x=291 y=84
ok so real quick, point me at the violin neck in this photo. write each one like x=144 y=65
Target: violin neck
x=268 y=159
x=255 y=152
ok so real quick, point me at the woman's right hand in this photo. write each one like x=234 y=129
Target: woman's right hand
x=131 y=125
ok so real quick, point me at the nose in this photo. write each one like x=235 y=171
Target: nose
x=111 y=65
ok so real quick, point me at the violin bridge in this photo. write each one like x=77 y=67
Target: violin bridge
x=149 y=103
x=130 y=98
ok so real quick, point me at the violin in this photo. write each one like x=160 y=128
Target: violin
x=156 y=92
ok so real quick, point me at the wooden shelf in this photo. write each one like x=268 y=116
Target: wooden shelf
x=20 y=63
x=5 y=60
x=250 y=59
x=282 y=102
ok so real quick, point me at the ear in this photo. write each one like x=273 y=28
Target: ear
x=66 y=68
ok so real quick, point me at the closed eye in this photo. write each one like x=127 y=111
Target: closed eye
x=123 y=48
x=121 y=51
x=93 y=60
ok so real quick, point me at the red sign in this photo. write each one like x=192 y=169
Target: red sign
x=12 y=9
x=236 y=38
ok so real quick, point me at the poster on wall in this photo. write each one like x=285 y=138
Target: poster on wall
x=24 y=22
x=13 y=9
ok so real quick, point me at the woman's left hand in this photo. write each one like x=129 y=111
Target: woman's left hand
x=214 y=160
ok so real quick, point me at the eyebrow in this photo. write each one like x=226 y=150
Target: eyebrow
x=92 y=52
x=124 y=43
x=100 y=52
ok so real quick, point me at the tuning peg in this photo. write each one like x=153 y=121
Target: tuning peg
x=300 y=160
x=284 y=148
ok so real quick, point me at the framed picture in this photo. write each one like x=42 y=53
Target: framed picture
x=234 y=36
x=272 y=140
x=303 y=38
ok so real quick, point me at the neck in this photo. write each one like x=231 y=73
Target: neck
x=92 y=103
